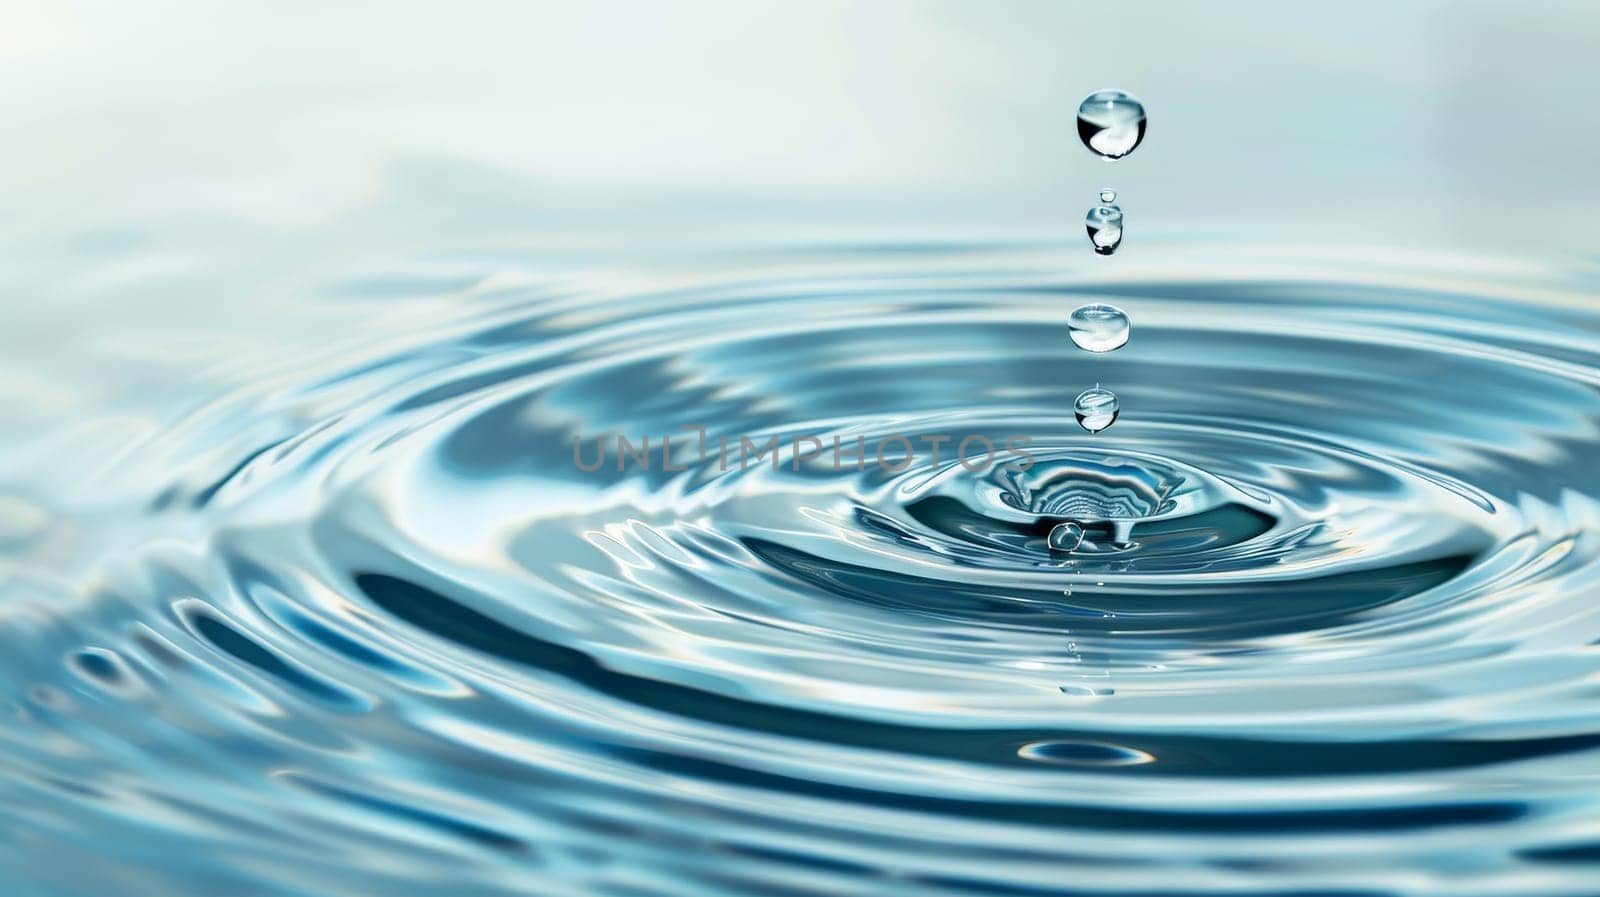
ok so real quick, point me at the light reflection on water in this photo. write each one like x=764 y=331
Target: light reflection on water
x=363 y=625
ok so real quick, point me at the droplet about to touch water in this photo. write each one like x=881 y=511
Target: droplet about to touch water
x=1111 y=123
x=1065 y=536
x=1098 y=328
x=1096 y=409
x=1108 y=195
x=1104 y=224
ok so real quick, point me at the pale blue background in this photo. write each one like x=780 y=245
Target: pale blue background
x=180 y=180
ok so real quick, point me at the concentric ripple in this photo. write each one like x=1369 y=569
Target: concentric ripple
x=1334 y=626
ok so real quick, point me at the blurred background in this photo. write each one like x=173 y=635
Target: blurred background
x=175 y=173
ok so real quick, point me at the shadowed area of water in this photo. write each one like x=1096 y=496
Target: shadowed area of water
x=372 y=626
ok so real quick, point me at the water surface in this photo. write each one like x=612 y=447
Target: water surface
x=365 y=626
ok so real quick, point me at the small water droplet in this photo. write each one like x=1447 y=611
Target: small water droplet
x=1096 y=409
x=1111 y=123
x=1104 y=224
x=1098 y=328
x=1108 y=195
x=1065 y=537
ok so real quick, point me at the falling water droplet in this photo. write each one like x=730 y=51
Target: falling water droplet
x=1065 y=537
x=1096 y=409
x=1098 y=328
x=1108 y=195
x=1111 y=123
x=1104 y=224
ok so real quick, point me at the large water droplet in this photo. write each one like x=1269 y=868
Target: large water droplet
x=1098 y=328
x=1104 y=224
x=1065 y=536
x=1111 y=123
x=1096 y=409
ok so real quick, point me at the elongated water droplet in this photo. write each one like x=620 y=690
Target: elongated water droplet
x=1104 y=224
x=1096 y=409
x=1111 y=123
x=1108 y=195
x=1098 y=328
x=1065 y=536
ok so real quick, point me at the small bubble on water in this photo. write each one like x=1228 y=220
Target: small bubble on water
x=1098 y=328
x=1084 y=691
x=1111 y=123
x=1104 y=224
x=1096 y=409
x=1065 y=537
x=1108 y=195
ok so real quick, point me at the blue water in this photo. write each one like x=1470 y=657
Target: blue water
x=363 y=626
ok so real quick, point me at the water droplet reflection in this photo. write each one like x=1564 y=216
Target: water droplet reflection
x=1111 y=123
x=1084 y=753
x=1104 y=224
x=1098 y=328
x=1096 y=408
x=1065 y=536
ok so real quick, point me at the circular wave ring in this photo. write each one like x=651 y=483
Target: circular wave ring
x=1336 y=591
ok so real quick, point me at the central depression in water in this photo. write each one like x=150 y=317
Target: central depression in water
x=1335 y=598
